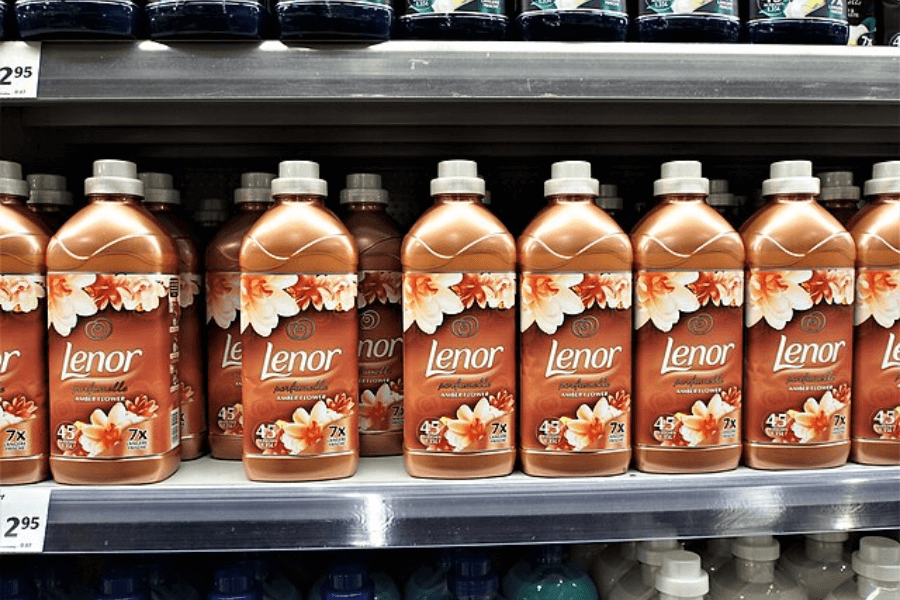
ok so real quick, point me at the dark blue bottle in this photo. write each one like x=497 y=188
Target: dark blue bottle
x=234 y=584
x=473 y=577
x=208 y=19
x=472 y=20
x=14 y=588
x=121 y=584
x=688 y=21
x=335 y=20
x=79 y=19
x=798 y=22
x=888 y=12
x=573 y=20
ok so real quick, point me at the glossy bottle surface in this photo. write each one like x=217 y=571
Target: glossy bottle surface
x=818 y=566
x=78 y=19
x=334 y=20
x=192 y=19
x=113 y=234
x=50 y=215
x=743 y=579
x=585 y=25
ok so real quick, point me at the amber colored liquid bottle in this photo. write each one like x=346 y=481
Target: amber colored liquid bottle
x=161 y=199
x=798 y=327
x=48 y=198
x=112 y=273
x=380 y=315
x=839 y=196
x=687 y=348
x=876 y=345
x=23 y=313
x=459 y=296
x=299 y=335
x=575 y=333
x=223 y=317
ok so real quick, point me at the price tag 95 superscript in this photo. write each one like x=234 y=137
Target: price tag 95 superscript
x=23 y=518
x=19 y=66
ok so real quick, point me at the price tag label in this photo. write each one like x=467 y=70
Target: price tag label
x=23 y=518
x=19 y=66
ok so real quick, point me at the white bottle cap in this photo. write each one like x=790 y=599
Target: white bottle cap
x=11 y=181
x=838 y=537
x=364 y=188
x=718 y=186
x=757 y=548
x=48 y=189
x=719 y=195
x=114 y=177
x=457 y=177
x=609 y=198
x=651 y=552
x=255 y=188
x=212 y=212
x=300 y=177
x=878 y=558
x=681 y=575
x=158 y=189
x=681 y=177
x=571 y=177
x=791 y=177
x=838 y=185
x=885 y=179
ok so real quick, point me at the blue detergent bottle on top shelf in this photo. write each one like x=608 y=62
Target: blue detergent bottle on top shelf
x=687 y=21
x=208 y=19
x=798 y=22
x=335 y=20
x=550 y=577
x=465 y=20
x=573 y=20
x=79 y=19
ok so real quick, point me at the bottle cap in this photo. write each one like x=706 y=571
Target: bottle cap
x=212 y=212
x=756 y=548
x=838 y=185
x=11 y=181
x=233 y=581
x=347 y=578
x=885 y=179
x=681 y=575
x=121 y=584
x=651 y=552
x=791 y=177
x=878 y=558
x=681 y=177
x=48 y=189
x=838 y=537
x=719 y=195
x=486 y=200
x=472 y=575
x=255 y=188
x=158 y=189
x=554 y=554
x=609 y=198
x=300 y=177
x=364 y=188
x=571 y=177
x=457 y=177
x=114 y=177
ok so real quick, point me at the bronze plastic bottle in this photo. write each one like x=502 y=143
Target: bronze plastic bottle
x=23 y=358
x=838 y=195
x=724 y=202
x=687 y=348
x=112 y=281
x=575 y=333
x=49 y=199
x=876 y=345
x=161 y=199
x=299 y=336
x=223 y=317
x=799 y=327
x=380 y=352
x=459 y=296
x=611 y=203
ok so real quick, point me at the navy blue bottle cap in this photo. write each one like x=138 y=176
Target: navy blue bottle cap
x=348 y=581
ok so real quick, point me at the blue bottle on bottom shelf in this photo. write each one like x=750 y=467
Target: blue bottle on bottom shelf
x=121 y=584
x=473 y=577
x=335 y=20
x=688 y=21
x=798 y=22
x=233 y=584
x=208 y=19
x=79 y=19
x=447 y=20
x=573 y=20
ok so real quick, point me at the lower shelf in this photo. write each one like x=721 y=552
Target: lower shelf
x=209 y=505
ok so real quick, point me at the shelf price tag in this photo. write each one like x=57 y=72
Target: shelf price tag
x=19 y=66
x=23 y=518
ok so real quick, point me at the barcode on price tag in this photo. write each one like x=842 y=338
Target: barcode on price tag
x=19 y=66
x=23 y=518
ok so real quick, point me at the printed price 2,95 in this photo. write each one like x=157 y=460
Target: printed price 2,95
x=8 y=74
x=20 y=63
x=14 y=525
x=23 y=518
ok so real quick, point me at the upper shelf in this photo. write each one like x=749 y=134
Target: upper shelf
x=401 y=71
x=209 y=505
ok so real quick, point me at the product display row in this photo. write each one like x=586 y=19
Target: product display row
x=817 y=567
x=854 y=22
x=571 y=350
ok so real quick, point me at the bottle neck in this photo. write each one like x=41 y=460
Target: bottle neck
x=753 y=571
x=473 y=198
x=160 y=207
x=886 y=198
x=253 y=206
x=568 y=198
x=114 y=198
x=866 y=587
x=684 y=198
x=827 y=552
x=792 y=198
x=838 y=203
x=364 y=207
x=664 y=596
x=10 y=199
x=299 y=199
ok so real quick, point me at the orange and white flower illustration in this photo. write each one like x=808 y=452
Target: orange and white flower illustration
x=662 y=296
x=878 y=296
x=264 y=300
x=834 y=286
x=775 y=295
x=547 y=299
x=487 y=290
x=16 y=410
x=588 y=428
x=231 y=419
x=141 y=293
x=105 y=431
x=142 y=406
x=67 y=300
x=108 y=290
x=427 y=298
x=606 y=290
x=342 y=291
x=503 y=290
x=21 y=293
x=308 y=428
x=720 y=288
x=223 y=298
x=814 y=423
x=384 y=287
x=188 y=289
x=470 y=426
x=705 y=421
x=376 y=410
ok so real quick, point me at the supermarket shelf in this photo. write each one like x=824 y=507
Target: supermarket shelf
x=209 y=505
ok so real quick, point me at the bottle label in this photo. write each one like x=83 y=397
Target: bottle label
x=113 y=341
x=475 y=7
x=799 y=357
x=861 y=17
x=300 y=385
x=876 y=350
x=726 y=8
x=190 y=364
x=459 y=336
x=609 y=6
x=764 y=10
x=576 y=361
x=223 y=325
x=380 y=351
x=688 y=356
x=23 y=366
